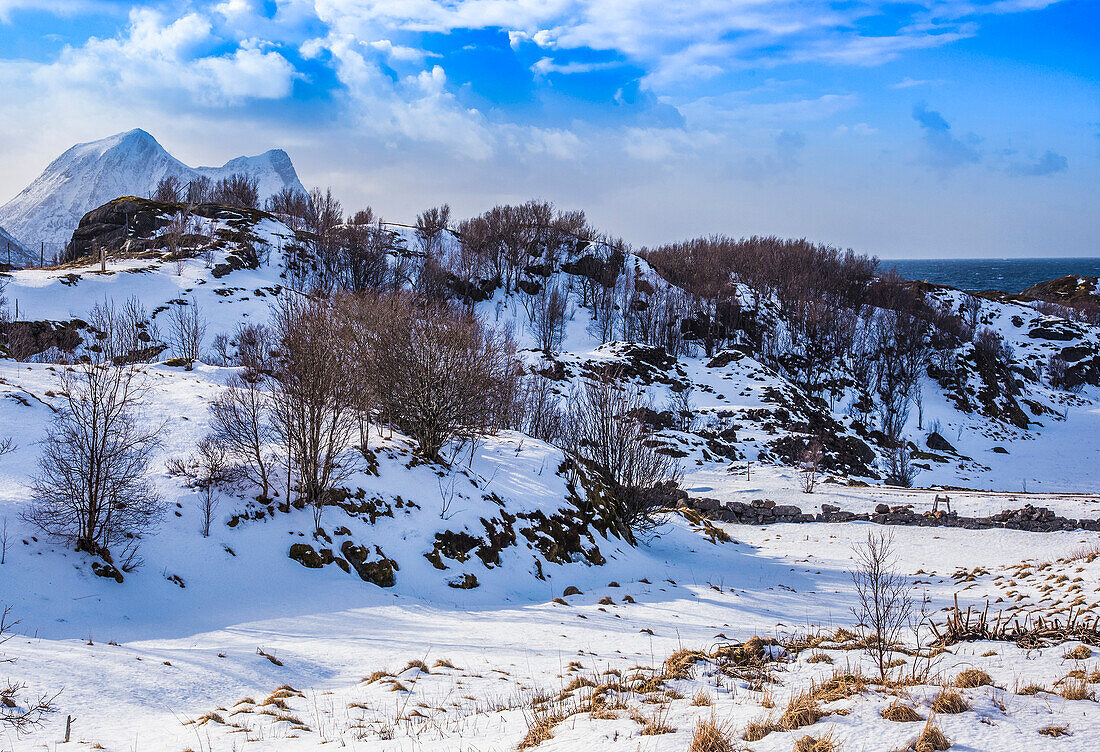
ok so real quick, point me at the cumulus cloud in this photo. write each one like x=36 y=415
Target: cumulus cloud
x=943 y=150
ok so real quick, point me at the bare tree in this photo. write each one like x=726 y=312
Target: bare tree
x=606 y=430
x=238 y=190
x=900 y=469
x=122 y=335
x=200 y=190
x=169 y=190
x=683 y=413
x=547 y=312
x=186 y=331
x=430 y=226
x=241 y=422
x=446 y=376
x=16 y=711
x=884 y=598
x=4 y=540
x=91 y=488
x=314 y=396
x=810 y=465
x=212 y=469
x=543 y=416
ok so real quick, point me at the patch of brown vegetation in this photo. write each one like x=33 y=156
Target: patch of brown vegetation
x=950 y=702
x=973 y=677
x=899 y=712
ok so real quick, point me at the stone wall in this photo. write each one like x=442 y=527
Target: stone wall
x=767 y=512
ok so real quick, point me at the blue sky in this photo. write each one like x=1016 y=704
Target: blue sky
x=935 y=128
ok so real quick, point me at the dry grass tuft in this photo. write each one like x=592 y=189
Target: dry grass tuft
x=931 y=739
x=973 y=677
x=757 y=730
x=657 y=725
x=606 y=601
x=1076 y=689
x=1055 y=731
x=417 y=664
x=802 y=710
x=442 y=663
x=681 y=664
x=819 y=657
x=711 y=736
x=540 y=728
x=819 y=744
x=840 y=686
x=899 y=712
x=702 y=699
x=376 y=676
x=949 y=702
x=1031 y=689
x=1079 y=653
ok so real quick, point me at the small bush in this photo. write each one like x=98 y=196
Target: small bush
x=819 y=657
x=1031 y=689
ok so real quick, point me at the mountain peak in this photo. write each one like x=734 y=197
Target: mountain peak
x=129 y=163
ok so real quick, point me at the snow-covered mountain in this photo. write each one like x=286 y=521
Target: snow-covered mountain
x=10 y=246
x=130 y=163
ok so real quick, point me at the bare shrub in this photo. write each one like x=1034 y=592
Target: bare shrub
x=213 y=469
x=313 y=397
x=169 y=189
x=91 y=488
x=186 y=331
x=238 y=190
x=900 y=470
x=17 y=711
x=241 y=423
x=199 y=190
x=810 y=465
x=543 y=416
x=122 y=335
x=606 y=431
x=547 y=313
x=446 y=375
x=884 y=599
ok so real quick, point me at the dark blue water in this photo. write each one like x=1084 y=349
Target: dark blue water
x=1006 y=275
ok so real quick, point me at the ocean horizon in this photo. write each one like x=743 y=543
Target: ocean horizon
x=1011 y=275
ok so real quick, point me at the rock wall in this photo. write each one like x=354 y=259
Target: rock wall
x=767 y=512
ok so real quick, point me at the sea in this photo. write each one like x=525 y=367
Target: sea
x=1007 y=275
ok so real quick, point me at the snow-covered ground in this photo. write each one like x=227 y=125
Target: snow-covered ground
x=166 y=659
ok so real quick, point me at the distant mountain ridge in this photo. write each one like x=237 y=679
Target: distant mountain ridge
x=131 y=163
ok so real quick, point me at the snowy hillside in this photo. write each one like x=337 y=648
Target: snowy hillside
x=126 y=164
x=486 y=600
x=11 y=248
